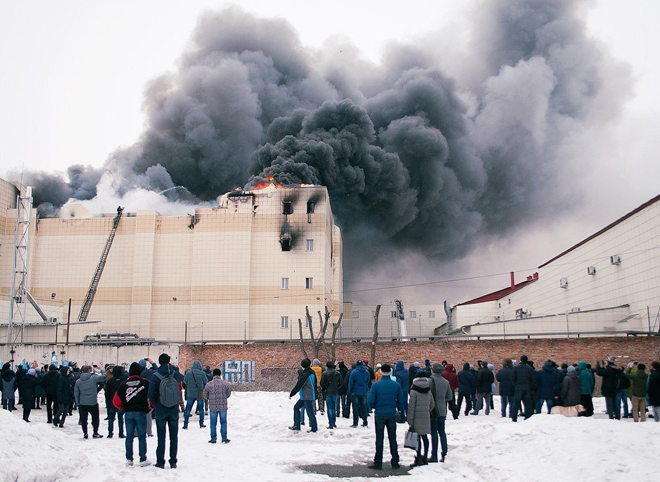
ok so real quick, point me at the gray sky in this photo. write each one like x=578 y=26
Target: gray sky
x=72 y=77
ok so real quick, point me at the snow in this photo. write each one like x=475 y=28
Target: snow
x=481 y=448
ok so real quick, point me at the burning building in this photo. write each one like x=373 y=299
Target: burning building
x=244 y=269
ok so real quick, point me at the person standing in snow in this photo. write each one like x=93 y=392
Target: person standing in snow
x=64 y=396
x=9 y=386
x=110 y=388
x=318 y=373
x=194 y=381
x=386 y=398
x=358 y=385
x=505 y=377
x=305 y=386
x=570 y=388
x=402 y=379
x=653 y=390
x=638 y=382
x=610 y=386
x=485 y=380
x=166 y=399
x=586 y=388
x=467 y=384
x=442 y=395
x=341 y=406
x=419 y=416
x=547 y=382
x=131 y=397
x=49 y=384
x=331 y=382
x=147 y=373
x=449 y=374
x=29 y=388
x=86 y=396
x=216 y=393
x=524 y=382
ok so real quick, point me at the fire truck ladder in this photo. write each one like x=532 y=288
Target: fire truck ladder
x=89 y=299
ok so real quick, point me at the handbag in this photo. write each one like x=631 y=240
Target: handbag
x=435 y=413
x=411 y=441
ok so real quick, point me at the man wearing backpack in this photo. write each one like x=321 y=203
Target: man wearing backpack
x=194 y=381
x=165 y=397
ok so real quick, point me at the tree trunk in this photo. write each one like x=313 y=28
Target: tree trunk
x=335 y=328
x=374 y=340
x=302 y=342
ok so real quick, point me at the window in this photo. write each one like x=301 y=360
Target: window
x=285 y=283
x=393 y=314
x=413 y=314
x=310 y=207
x=287 y=207
x=431 y=314
x=373 y=314
x=309 y=283
x=310 y=245
x=284 y=321
x=356 y=314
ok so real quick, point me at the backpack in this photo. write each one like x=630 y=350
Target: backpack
x=169 y=394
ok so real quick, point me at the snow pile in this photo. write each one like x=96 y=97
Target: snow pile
x=36 y=451
x=481 y=448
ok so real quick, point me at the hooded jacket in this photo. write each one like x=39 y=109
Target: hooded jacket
x=331 y=381
x=610 y=375
x=154 y=387
x=586 y=380
x=485 y=380
x=195 y=381
x=467 y=382
x=132 y=395
x=343 y=371
x=29 y=387
x=359 y=381
x=65 y=387
x=306 y=383
x=385 y=397
x=50 y=381
x=505 y=377
x=318 y=371
x=420 y=406
x=638 y=382
x=112 y=384
x=547 y=381
x=524 y=378
x=449 y=374
x=570 y=389
x=402 y=377
x=9 y=384
x=87 y=388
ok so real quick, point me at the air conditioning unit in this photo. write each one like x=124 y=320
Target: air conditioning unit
x=591 y=270
x=563 y=283
x=54 y=320
x=615 y=259
x=575 y=310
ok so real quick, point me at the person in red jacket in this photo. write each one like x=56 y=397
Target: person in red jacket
x=449 y=374
x=131 y=397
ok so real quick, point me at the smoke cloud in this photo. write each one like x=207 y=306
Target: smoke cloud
x=417 y=162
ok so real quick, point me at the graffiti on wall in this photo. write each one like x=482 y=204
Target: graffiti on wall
x=239 y=371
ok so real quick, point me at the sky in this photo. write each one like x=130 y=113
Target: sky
x=73 y=75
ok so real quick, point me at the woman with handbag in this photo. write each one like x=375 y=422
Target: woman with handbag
x=419 y=416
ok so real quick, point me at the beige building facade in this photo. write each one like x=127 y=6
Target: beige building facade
x=242 y=271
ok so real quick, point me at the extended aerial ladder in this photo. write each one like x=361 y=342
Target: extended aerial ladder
x=89 y=299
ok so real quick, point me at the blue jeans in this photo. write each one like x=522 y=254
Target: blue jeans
x=136 y=420
x=390 y=423
x=189 y=405
x=359 y=408
x=214 y=423
x=438 y=428
x=510 y=400
x=169 y=421
x=308 y=405
x=331 y=407
x=112 y=413
x=539 y=404
x=622 y=397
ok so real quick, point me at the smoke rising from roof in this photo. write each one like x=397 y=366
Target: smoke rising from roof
x=415 y=160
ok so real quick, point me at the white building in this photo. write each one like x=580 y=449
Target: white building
x=607 y=284
x=418 y=321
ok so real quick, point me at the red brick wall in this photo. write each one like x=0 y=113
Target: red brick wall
x=288 y=355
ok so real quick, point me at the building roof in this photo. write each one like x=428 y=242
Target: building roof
x=496 y=295
x=605 y=229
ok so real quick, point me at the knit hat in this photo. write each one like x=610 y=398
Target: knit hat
x=570 y=369
x=378 y=365
x=305 y=363
x=610 y=359
x=142 y=363
x=135 y=369
x=490 y=366
x=316 y=362
x=385 y=369
x=32 y=371
x=427 y=363
x=524 y=358
x=359 y=363
x=438 y=368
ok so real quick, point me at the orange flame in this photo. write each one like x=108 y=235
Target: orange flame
x=264 y=184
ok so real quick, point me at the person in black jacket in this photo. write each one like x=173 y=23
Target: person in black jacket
x=653 y=390
x=306 y=388
x=485 y=380
x=505 y=377
x=110 y=387
x=64 y=396
x=609 y=387
x=467 y=384
x=49 y=385
x=524 y=381
x=341 y=405
x=331 y=382
x=29 y=388
x=131 y=398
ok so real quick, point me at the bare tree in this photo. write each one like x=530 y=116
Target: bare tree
x=302 y=342
x=335 y=329
x=319 y=342
x=374 y=340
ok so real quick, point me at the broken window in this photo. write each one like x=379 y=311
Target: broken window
x=287 y=207
x=310 y=207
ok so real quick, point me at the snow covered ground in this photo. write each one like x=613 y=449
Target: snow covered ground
x=481 y=448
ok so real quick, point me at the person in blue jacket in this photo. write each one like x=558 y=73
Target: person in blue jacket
x=306 y=388
x=385 y=397
x=467 y=386
x=403 y=379
x=547 y=382
x=357 y=386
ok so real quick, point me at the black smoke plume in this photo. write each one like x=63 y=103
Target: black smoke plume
x=416 y=161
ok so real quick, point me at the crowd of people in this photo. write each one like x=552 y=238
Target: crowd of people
x=148 y=392
x=421 y=396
